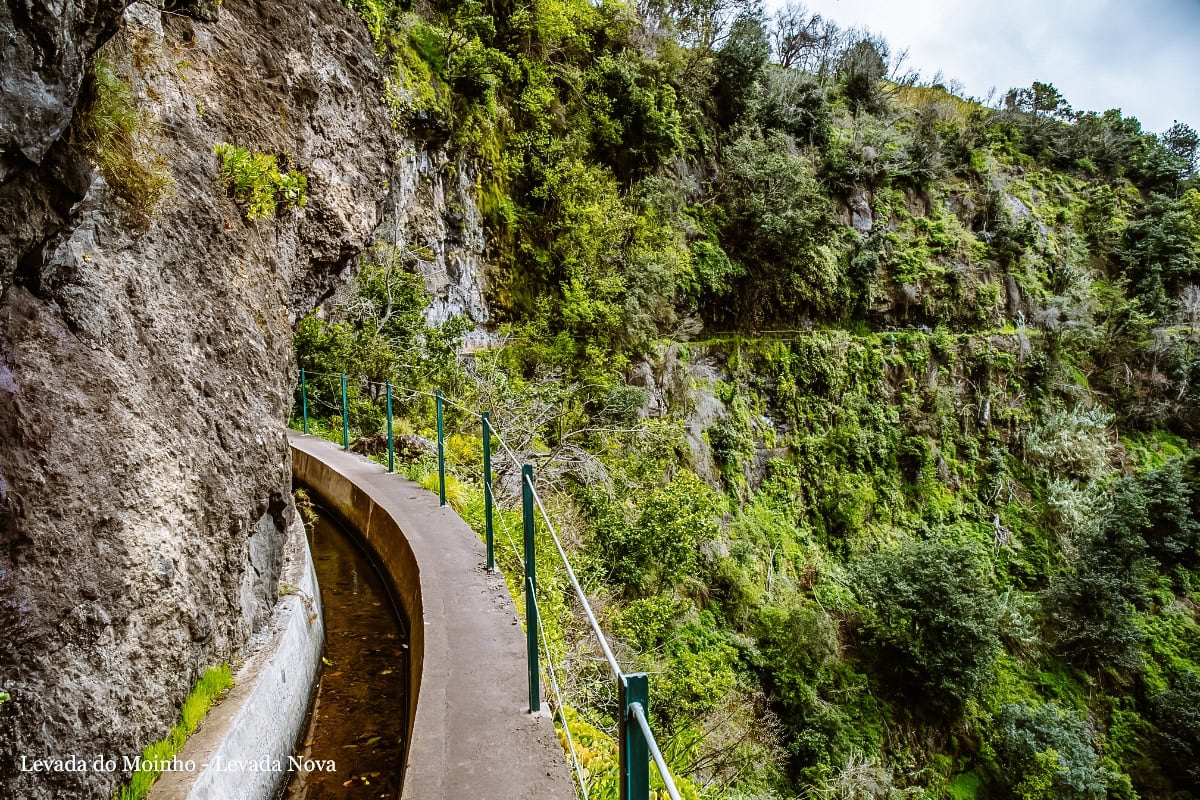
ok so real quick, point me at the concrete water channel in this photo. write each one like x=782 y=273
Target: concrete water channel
x=471 y=734
x=357 y=727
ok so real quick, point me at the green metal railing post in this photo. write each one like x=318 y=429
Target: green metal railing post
x=441 y=453
x=304 y=399
x=487 y=493
x=531 y=615
x=391 y=441
x=345 y=417
x=633 y=755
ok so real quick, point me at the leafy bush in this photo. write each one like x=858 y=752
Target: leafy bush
x=256 y=183
x=1045 y=754
x=1073 y=508
x=779 y=221
x=930 y=615
x=621 y=405
x=1094 y=605
x=663 y=546
x=733 y=445
x=797 y=646
x=699 y=670
x=639 y=128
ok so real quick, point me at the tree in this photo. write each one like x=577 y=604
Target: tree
x=780 y=221
x=1094 y=605
x=1183 y=142
x=801 y=40
x=930 y=615
x=739 y=68
x=797 y=104
x=1040 y=111
x=1101 y=142
x=861 y=70
x=1166 y=519
x=1161 y=250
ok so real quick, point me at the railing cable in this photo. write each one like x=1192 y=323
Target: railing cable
x=587 y=607
x=561 y=707
x=639 y=714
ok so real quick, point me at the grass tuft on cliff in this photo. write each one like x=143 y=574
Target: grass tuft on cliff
x=119 y=140
x=208 y=690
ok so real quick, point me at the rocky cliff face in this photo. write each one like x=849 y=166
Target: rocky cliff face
x=146 y=367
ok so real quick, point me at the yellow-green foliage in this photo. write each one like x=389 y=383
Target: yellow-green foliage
x=119 y=139
x=257 y=184
x=596 y=752
x=212 y=684
x=456 y=493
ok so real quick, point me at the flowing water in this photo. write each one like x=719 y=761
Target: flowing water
x=354 y=745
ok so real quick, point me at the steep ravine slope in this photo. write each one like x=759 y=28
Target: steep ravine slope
x=146 y=369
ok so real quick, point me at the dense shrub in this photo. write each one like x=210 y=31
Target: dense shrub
x=930 y=616
x=662 y=546
x=778 y=219
x=1094 y=604
x=798 y=645
x=1176 y=713
x=1161 y=250
x=1045 y=754
x=739 y=68
x=1073 y=443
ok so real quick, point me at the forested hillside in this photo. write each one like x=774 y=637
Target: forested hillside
x=869 y=408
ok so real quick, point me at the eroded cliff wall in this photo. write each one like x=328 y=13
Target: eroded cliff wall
x=146 y=367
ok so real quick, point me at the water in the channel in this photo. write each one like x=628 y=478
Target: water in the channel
x=355 y=738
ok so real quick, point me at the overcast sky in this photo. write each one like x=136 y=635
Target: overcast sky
x=1141 y=56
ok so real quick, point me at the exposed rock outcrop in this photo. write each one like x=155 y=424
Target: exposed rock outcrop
x=145 y=372
x=46 y=47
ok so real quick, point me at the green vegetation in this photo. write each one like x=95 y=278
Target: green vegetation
x=212 y=684
x=1045 y=753
x=931 y=614
x=256 y=182
x=119 y=139
x=905 y=501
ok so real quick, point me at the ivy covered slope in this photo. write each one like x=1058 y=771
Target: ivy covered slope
x=870 y=409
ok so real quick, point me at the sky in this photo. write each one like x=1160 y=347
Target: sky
x=1141 y=56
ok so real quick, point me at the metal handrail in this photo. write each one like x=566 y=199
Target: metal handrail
x=587 y=607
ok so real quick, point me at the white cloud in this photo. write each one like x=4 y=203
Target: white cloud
x=1143 y=58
